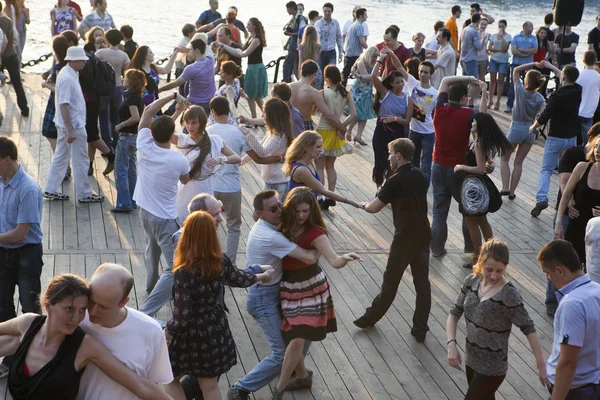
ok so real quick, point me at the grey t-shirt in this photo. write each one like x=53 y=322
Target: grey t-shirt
x=527 y=104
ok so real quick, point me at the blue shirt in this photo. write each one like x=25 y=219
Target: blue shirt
x=21 y=203
x=523 y=42
x=353 y=46
x=208 y=16
x=577 y=323
x=330 y=35
x=470 y=44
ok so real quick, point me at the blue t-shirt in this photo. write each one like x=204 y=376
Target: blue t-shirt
x=524 y=42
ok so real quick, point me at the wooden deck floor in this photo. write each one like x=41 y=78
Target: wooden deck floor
x=383 y=362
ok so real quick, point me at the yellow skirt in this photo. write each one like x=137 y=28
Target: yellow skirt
x=333 y=146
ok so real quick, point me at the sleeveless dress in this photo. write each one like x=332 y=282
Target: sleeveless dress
x=306 y=303
x=362 y=94
x=585 y=198
x=293 y=183
x=64 y=20
x=57 y=380
x=151 y=90
x=236 y=87
x=256 y=84
x=333 y=146
x=202 y=343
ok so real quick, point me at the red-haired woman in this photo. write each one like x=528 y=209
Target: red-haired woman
x=201 y=343
x=125 y=161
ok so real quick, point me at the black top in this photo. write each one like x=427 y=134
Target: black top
x=567 y=58
x=551 y=35
x=131 y=99
x=563 y=109
x=223 y=55
x=406 y=190
x=57 y=380
x=568 y=161
x=256 y=56
x=6 y=26
x=130 y=48
x=594 y=38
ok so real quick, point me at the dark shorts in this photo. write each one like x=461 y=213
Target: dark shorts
x=309 y=126
x=91 y=123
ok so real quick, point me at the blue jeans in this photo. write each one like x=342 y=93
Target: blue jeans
x=444 y=189
x=423 y=152
x=587 y=392
x=20 y=267
x=552 y=151
x=585 y=124
x=326 y=58
x=109 y=116
x=469 y=68
x=126 y=171
x=262 y=304
x=511 y=86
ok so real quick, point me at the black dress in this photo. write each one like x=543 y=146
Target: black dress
x=495 y=201
x=585 y=199
x=202 y=344
x=57 y=380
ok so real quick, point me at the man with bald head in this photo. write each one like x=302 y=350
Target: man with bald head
x=134 y=338
x=162 y=291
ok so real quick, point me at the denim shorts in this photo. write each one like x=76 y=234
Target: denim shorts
x=469 y=68
x=518 y=133
x=497 y=67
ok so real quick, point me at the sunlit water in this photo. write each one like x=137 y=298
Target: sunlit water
x=158 y=23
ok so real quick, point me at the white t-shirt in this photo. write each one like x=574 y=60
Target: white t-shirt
x=159 y=170
x=266 y=245
x=68 y=91
x=139 y=343
x=423 y=105
x=446 y=60
x=432 y=44
x=589 y=80
x=227 y=178
x=203 y=183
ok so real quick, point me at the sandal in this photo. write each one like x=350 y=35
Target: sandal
x=56 y=196
x=504 y=193
x=93 y=198
x=360 y=141
x=512 y=196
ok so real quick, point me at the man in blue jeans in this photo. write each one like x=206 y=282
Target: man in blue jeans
x=562 y=110
x=266 y=245
x=20 y=238
x=470 y=44
x=523 y=47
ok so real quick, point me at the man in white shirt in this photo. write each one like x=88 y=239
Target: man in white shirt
x=446 y=58
x=267 y=245
x=134 y=338
x=159 y=171
x=72 y=138
x=432 y=43
x=589 y=80
x=227 y=186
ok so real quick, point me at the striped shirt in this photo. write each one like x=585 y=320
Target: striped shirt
x=91 y=20
x=330 y=35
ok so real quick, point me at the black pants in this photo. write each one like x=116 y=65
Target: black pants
x=383 y=135
x=20 y=267
x=482 y=387
x=348 y=64
x=401 y=255
x=13 y=66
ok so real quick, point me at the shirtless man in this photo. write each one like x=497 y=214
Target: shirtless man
x=304 y=97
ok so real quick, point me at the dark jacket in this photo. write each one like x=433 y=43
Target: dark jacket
x=562 y=110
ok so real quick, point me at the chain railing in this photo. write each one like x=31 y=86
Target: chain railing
x=270 y=64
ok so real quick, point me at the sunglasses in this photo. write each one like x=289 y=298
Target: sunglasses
x=274 y=209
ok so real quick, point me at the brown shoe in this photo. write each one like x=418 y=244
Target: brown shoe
x=299 y=383
x=277 y=395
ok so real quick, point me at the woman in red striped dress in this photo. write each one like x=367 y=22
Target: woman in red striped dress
x=306 y=303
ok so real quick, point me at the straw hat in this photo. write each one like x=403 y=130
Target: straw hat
x=75 y=53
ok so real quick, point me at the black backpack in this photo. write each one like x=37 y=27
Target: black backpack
x=104 y=77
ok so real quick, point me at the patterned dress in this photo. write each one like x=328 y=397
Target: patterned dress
x=64 y=20
x=306 y=303
x=362 y=94
x=202 y=344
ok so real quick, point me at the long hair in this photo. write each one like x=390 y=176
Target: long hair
x=139 y=58
x=89 y=36
x=542 y=44
x=198 y=113
x=137 y=81
x=278 y=118
x=335 y=77
x=18 y=10
x=534 y=79
x=368 y=55
x=591 y=154
x=65 y=286
x=297 y=196
x=199 y=246
x=412 y=66
x=387 y=83
x=490 y=135
x=310 y=44
x=494 y=249
x=298 y=148
x=60 y=44
x=259 y=32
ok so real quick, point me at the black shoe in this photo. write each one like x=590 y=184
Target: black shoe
x=323 y=204
x=25 y=112
x=539 y=207
x=110 y=167
x=91 y=169
x=364 y=322
x=419 y=336
x=468 y=265
x=119 y=211
x=237 y=394
x=550 y=311
x=330 y=203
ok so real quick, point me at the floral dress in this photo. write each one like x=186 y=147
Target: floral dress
x=362 y=94
x=64 y=20
x=202 y=344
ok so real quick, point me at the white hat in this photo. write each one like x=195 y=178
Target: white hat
x=75 y=53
